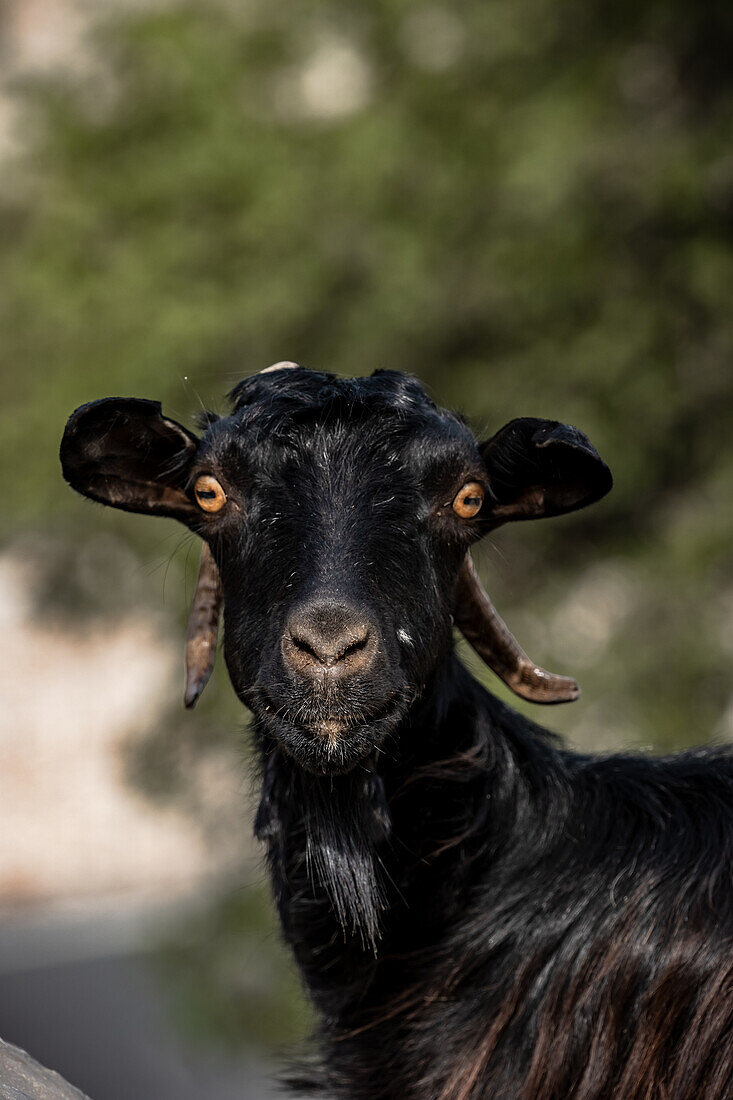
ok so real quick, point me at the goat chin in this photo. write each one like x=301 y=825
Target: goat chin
x=324 y=750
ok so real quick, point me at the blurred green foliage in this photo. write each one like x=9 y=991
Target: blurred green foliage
x=228 y=982
x=527 y=203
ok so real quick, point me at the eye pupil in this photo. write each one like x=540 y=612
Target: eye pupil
x=209 y=493
x=469 y=500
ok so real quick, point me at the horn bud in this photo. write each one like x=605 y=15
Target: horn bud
x=485 y=630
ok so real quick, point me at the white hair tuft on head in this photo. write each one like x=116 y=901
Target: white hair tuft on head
x=285 y=365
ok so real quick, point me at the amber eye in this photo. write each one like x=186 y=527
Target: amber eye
x=209 y=494
x=468 y=502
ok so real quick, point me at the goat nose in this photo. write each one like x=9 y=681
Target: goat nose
x=325 y=639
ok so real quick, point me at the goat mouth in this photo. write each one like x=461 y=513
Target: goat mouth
x=329 y=743
x=338 y=725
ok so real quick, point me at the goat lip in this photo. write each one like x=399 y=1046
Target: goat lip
x=329 y=743
x=331 y=728
x=335 y=726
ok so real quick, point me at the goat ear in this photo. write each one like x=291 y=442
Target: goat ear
x=542 y=468
x=123 y=452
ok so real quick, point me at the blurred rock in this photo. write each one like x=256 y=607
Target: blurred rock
x=23 y=1079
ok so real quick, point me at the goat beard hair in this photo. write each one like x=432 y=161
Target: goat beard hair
x=343 y=826
x=341 y=820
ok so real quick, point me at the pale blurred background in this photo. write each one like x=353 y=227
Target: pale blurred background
x=527 y=203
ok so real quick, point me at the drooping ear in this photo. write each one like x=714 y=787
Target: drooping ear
x=123 y=452
x=541 y=468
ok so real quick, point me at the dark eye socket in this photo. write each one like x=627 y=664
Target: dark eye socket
x=468 y=500
x=209 y=494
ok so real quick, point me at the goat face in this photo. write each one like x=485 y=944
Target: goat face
x=339 y=512
x=338 y=579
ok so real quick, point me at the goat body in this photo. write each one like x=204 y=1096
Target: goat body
x=554 y=925
x=476 y=911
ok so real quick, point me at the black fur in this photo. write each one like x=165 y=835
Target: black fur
x=476 y=911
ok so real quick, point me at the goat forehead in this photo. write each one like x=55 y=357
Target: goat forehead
x=287 y=403
x=339 y=441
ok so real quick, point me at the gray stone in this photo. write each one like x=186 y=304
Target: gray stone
x=21 y=1078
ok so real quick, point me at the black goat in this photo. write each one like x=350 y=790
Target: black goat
x=476 y=911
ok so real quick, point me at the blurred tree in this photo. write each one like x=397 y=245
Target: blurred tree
x=527 y=203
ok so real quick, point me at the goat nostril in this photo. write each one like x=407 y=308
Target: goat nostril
x=354 y=647
x=304 y=647
x=315 y=643
x=332 y=654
